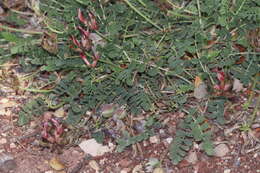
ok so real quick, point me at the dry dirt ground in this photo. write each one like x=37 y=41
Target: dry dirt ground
x=237 y=151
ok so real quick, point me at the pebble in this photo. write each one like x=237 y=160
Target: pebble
x=158 y=170
x=221 y=150
x=3 y=141
x=125 y=170
x=1 y=10
x=227 y=170
x=49 y=171
x=169 y=140
x=137 y=169
x=145 y=143
x=7 y=163
x=12 y=145
x=125 y=163
x=154 y=139
x=192 y=157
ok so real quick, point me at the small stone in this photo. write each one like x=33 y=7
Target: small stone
x=200 y=91
x=94 y=165
x=154 y=139
x=158 y=170
x=7 y=163
x=125 y=170
x=145 y=143
x=8 y=166
x=1 y=10
x=125 y=163
x=49 y=171
x=227 y=170
x=12 y=145
x=169 y=140
x=3 y=141
x=161 y=131
x=192 y=157
x=221 y=150
x=4 y=100
x=137 y=169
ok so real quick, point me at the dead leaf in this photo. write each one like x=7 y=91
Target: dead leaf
x=93 y=148
x=59 y=113
x=253 y=37
x=14 y=4
x=237 y=85
x=200 y=90
x=56 y=164
x=158 y=170
x=197 y=81
x=50 y=42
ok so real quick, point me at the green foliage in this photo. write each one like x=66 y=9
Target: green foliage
x=33 y=108
x=128 y=140
x=216 y=111
x=194 y=128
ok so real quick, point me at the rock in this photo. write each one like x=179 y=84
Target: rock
x=7 y=163
x=93 y=148
x=125 y=170
x=124 y=163
x=1 y=10
x=221 y=150
x=169 y=140
x=154 y=139
x=192 y=157
x=227 y=170
x=158 y=170
x=49 y=171
x=3 y=141
x=200 y=91
x=107 y=110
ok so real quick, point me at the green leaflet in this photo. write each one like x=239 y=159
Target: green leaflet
x=33 y=108
x=194 y=128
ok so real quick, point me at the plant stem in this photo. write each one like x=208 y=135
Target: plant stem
x=142 y=15
x=20 y=30
x=35 y=90
x=253 y=116
x=175 y=6
x=198 y=4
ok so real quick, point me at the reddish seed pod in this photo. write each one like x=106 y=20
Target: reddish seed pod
x=221 y=76
x=82 y=18
x=84 y=58
x=93 y=22
x=83 y=31
x=75 y=41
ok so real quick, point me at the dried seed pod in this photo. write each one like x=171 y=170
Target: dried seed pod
x=253 y=37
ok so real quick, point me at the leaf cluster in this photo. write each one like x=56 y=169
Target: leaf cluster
x=194 y=128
